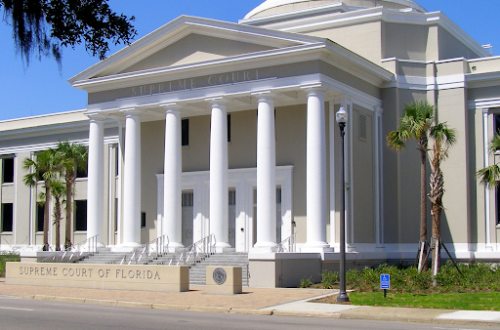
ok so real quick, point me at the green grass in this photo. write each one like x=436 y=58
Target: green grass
x=489 y=301
x=476 y=277
x=7 y=257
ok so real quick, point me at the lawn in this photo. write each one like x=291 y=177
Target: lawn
x=485 y=301
x=476 y=287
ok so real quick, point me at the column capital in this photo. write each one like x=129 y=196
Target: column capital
x=95 y=116
x=265 y=94
x=378 y=110
x=217 y=100
x=131 y=112
x=314 y=89
x=486 y=111
x=171 y=107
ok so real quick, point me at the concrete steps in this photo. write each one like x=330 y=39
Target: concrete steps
x=197 y=272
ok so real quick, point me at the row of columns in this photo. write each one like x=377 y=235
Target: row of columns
x=266 y=183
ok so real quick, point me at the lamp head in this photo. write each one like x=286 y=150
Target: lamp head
x=341 y=116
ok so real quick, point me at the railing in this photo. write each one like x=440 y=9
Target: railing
x=153 y=249
x=194 y=253
x=287 y=245
x=77 y=251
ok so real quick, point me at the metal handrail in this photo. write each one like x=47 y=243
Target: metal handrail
x=287 y=245
x=194 y=253
x=77 y=251
x=152 y=249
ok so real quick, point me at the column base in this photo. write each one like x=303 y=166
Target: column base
x=223 y=247
x=174 y=247
x=263 y=247
x=316 y=247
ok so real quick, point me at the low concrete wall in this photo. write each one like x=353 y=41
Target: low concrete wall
x=231 y=285
x=119 y=277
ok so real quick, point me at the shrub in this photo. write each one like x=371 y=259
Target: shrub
x=475 y=277
x=7 y=257
x=305 y=282
x=329 y=279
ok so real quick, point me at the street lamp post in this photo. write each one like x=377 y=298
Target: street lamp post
x=341 y=118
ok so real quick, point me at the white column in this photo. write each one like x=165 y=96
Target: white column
x=316 y=171
x=218 y=175
x=132 y=181
x=172 y=179
x=486 y=163
x=332 y=137
x=266 y=168
x=349 y=179
x=379 y=225
x=95 y=183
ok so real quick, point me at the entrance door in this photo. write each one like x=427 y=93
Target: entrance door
x=232 y=217
x=187 y=218
x=279 y=220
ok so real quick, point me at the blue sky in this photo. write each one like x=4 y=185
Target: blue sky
x=41 y=88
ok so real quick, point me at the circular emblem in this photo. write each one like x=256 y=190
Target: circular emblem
x=220 y=276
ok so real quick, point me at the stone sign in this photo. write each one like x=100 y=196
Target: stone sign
x=136 y=277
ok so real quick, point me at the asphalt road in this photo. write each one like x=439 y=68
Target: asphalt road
x=26 y=314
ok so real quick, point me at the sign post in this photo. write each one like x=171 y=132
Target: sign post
x=385 y=283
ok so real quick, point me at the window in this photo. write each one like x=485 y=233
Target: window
x=40 y=211
x=185 y=132
x=81 y=215
x=7 y=217
x=228 y=128
x=82 y=172
x=143 y=220
x=8 y=170
x=116 y=214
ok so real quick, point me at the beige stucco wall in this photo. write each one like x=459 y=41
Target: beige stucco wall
x=364 y=39
x=195 y=48
x=405 y=41
x=363 y=178
x=401 y=174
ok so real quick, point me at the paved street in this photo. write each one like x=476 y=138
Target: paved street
x=26 y=314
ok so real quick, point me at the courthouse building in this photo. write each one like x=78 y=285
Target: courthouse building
x=209 y=127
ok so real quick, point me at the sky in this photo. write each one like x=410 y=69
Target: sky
x=41 y=88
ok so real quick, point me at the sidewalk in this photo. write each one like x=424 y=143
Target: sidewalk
x=293 y=302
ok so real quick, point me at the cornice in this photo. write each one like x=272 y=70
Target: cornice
x=328 y=51
x=486 y=79
x=332 y=20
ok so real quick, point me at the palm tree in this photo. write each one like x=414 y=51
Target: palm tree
x=45 y=168
x=58 y=190
x=74 y=159
x=490 y=176
x=416 y=124
x=444 y=137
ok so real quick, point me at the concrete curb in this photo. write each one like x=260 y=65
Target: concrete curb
x=413 y=315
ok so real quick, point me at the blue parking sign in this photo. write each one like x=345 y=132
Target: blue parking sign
x=385 y=281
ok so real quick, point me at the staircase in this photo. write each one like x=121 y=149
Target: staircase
x=197 y=272
x=103 y=256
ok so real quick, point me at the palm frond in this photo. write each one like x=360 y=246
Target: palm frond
x=443 y=133
x=489 y=176
x=494 y=143
x=395 y=139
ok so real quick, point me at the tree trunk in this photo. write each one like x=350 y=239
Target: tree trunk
x=423 y=203
x=57 y=216
x=69 y=211
x=435 y=196
x=423 y=196
x=46 y=219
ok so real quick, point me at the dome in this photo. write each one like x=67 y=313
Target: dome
x=270 y=7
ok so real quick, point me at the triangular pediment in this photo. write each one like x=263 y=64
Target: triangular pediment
x=195 y=48
x=190 y=40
